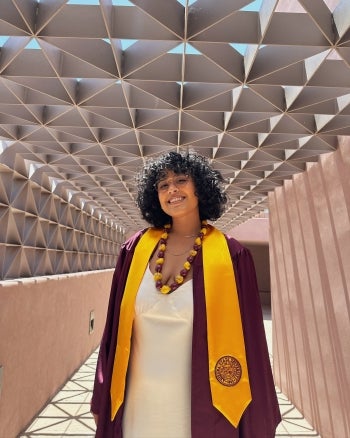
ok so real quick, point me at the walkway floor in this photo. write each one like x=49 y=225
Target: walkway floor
x=68 y=413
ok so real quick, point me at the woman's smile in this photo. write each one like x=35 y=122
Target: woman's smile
x=176 y=200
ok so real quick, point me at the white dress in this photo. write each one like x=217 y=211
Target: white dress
x=158 y=395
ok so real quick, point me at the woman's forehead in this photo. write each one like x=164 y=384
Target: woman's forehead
x=168 y=173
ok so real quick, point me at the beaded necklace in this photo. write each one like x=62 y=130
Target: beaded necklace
x=179 y=279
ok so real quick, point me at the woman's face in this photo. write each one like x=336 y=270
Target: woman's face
x=176 y=194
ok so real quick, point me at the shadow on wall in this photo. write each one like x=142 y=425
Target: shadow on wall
x=260 y=253
x=254 y=235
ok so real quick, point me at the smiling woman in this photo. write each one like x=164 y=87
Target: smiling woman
x=184 y=350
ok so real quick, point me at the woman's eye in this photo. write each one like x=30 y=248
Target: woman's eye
x=181 y=181
x=163 y=186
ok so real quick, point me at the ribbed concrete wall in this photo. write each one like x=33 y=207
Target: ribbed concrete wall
x=44 y=338
x=44 y=232
x=310 y=283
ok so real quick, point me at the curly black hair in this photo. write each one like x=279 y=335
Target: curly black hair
x=209 y=185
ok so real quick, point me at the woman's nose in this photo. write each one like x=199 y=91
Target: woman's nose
x=172 y=187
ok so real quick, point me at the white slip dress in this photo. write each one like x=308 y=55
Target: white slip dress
x=158 y=390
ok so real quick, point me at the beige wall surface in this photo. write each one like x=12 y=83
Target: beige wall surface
x=310 y=284
x=44 y=338
x=253 y=231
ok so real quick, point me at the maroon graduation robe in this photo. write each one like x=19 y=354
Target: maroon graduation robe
x=261 y=417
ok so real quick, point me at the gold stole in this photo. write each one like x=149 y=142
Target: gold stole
x=228 y=373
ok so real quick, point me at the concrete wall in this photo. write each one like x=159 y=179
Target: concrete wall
x=310 y=287
x=44 y=338
x=254 y=231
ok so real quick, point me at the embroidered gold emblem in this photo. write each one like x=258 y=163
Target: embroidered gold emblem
x=228 y=371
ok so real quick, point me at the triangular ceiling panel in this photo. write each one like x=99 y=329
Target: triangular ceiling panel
x=154 y=119
x=198 y=93
x=97 y=53
x=205 y=13
x=198 y=120
x=149 y=92
x=49 y=86
x=225 y=57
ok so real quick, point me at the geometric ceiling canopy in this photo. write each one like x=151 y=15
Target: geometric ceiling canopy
x=89 y=89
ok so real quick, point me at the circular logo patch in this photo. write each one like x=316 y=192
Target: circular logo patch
x=228 y=371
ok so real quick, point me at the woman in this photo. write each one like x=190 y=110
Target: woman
x=184 y=352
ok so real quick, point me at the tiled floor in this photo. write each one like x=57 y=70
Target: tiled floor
x=68 y=414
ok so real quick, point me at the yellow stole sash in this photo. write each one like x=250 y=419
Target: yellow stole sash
x=228 y=373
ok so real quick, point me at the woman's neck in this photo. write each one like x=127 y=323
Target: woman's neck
x=186 y=227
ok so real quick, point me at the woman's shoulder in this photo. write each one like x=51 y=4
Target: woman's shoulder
x=131 y=241
x=236 y=248
x=234 y=245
